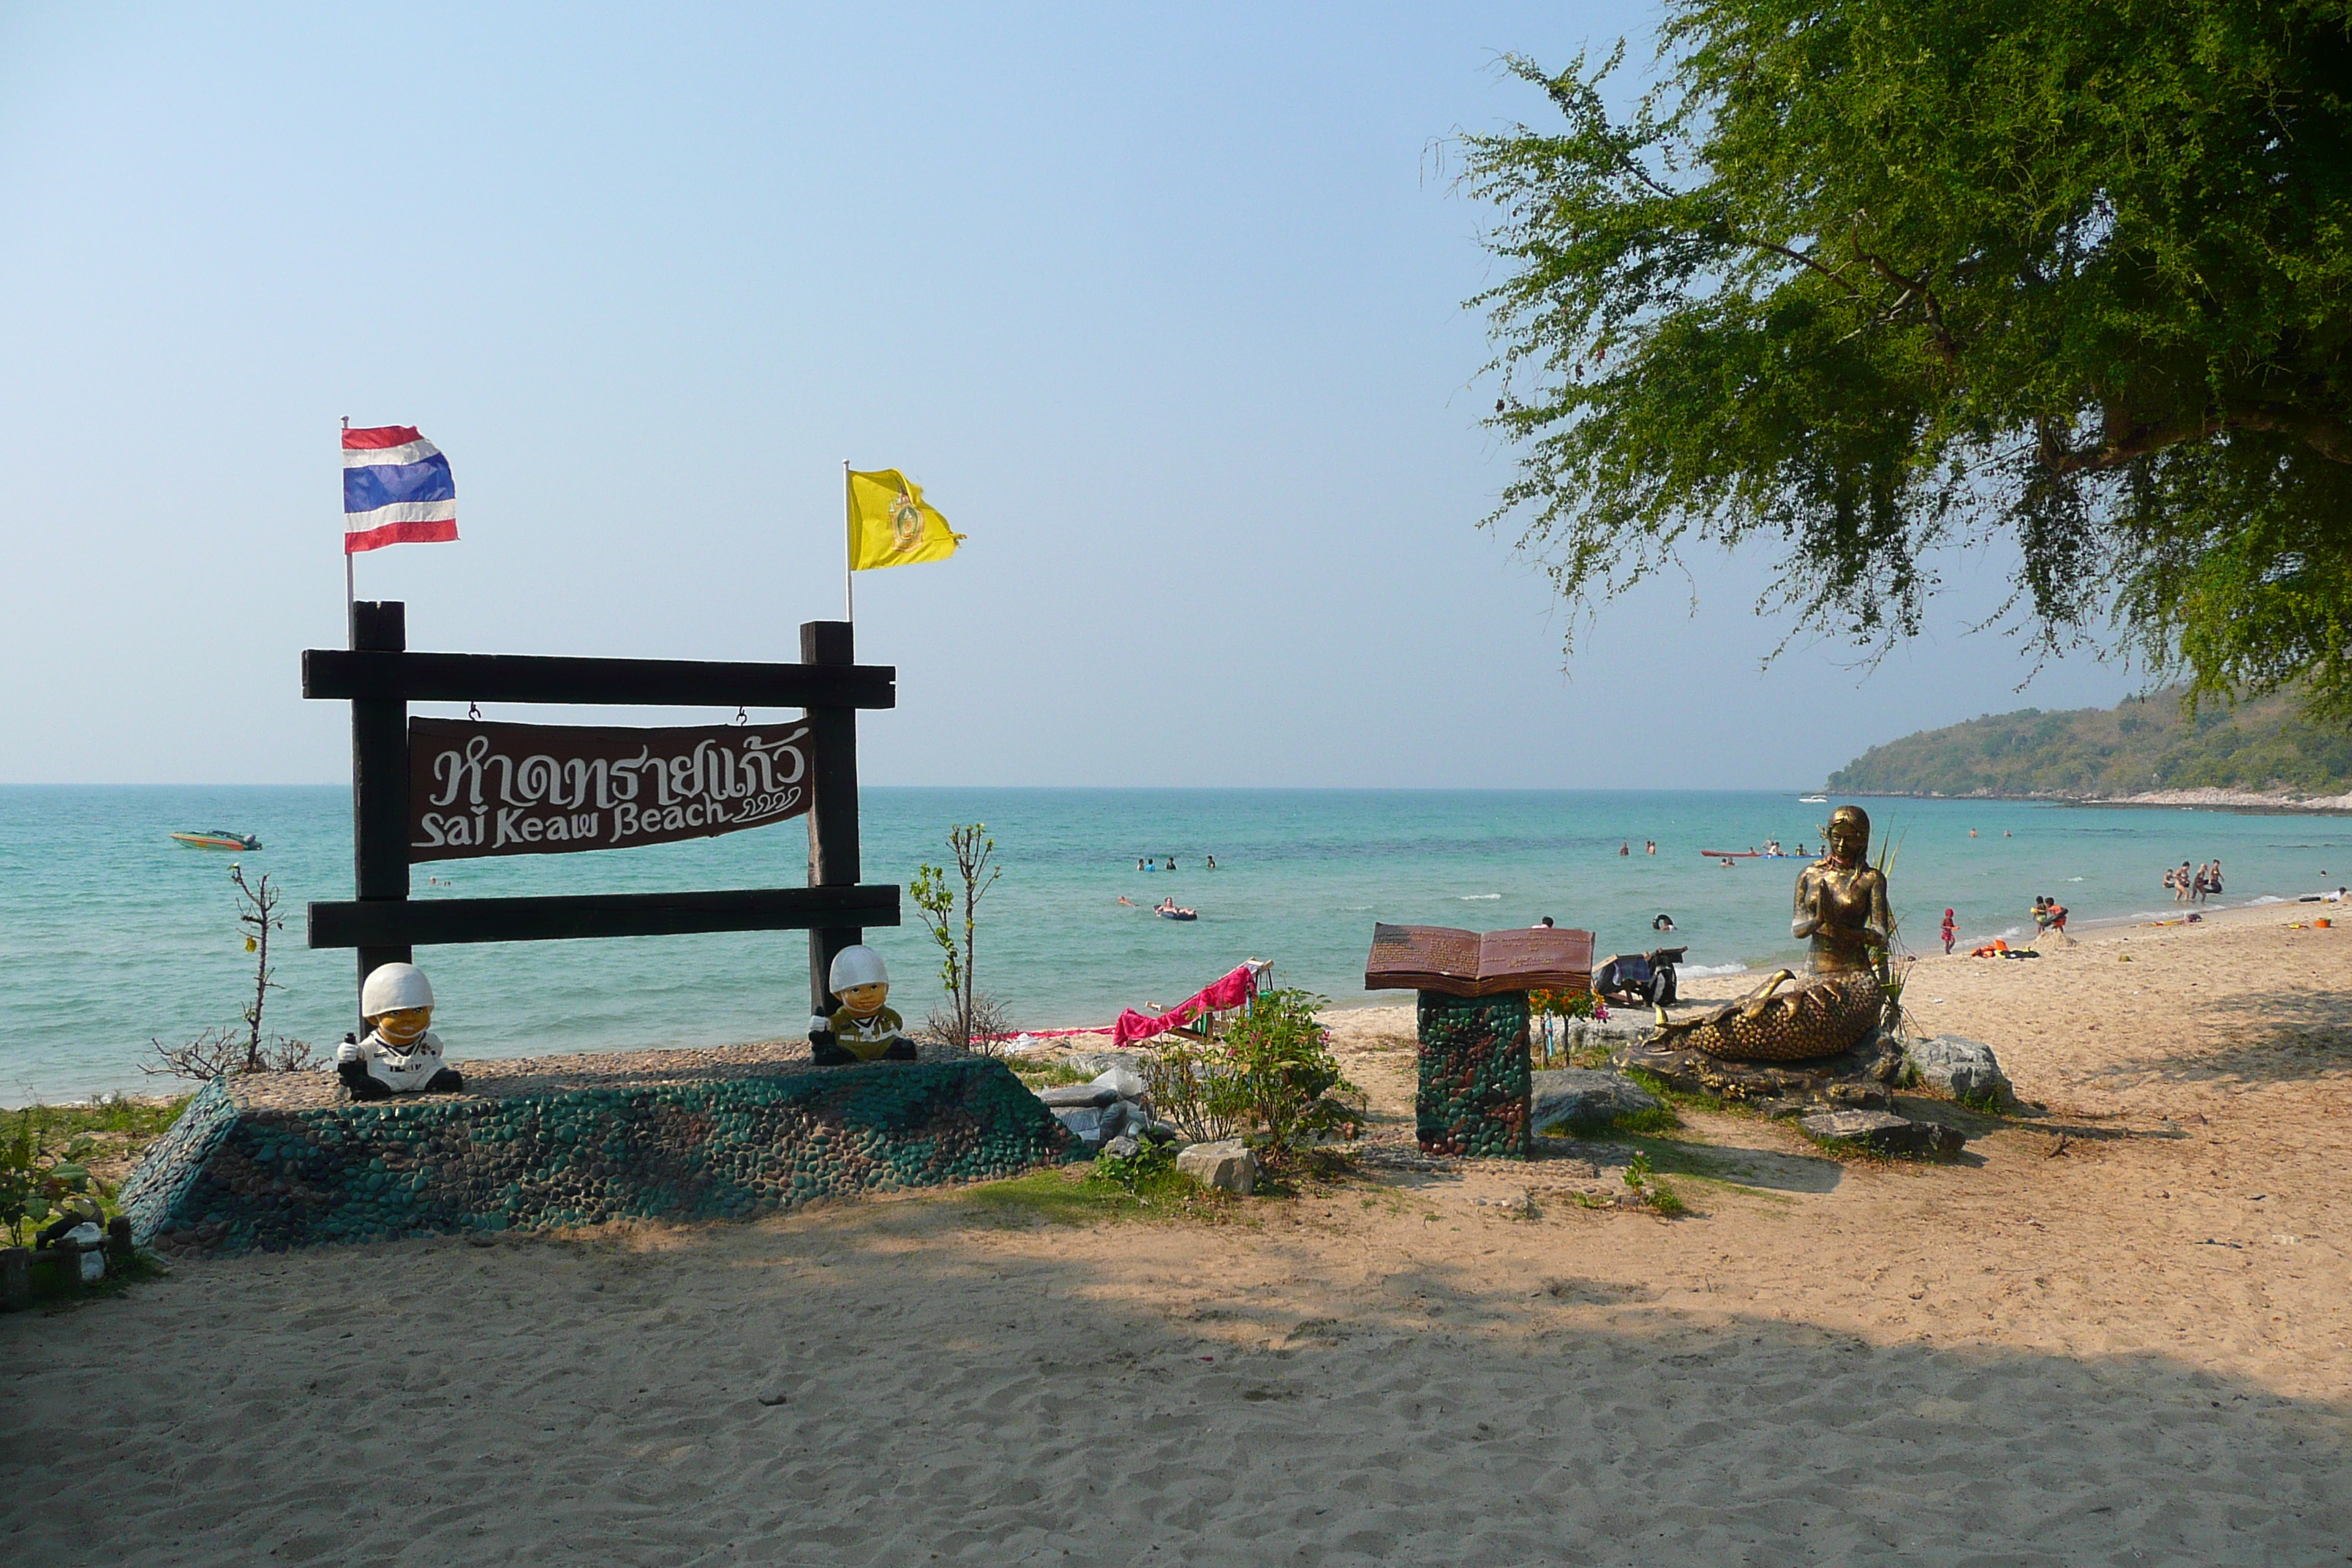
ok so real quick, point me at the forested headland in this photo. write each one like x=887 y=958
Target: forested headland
x=2150 y=745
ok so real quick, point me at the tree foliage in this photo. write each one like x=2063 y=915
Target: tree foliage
x=1881 y=278
x=971 y=1020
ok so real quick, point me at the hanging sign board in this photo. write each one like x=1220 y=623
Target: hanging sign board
x=476 y=788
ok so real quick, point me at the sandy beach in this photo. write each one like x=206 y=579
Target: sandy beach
x=2116 y=1332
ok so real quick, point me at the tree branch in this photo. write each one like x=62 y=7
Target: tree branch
x=1933 y=308
x=2330 y=439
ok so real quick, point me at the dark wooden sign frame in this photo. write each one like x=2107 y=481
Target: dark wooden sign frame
x=379 y=677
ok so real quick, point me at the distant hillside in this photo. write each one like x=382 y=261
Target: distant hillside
x=2147 y=747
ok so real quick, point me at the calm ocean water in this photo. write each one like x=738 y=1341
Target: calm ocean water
x=110 y=933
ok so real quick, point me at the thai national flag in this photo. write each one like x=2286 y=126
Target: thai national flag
x=397 y=489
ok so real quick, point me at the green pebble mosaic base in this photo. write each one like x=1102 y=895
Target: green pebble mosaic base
x=1473 y=1094
x=230 y=1180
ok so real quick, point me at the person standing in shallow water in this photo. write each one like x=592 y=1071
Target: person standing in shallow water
x=1841 y=899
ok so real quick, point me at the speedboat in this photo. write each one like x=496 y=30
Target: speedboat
x=218 y=838
x=1812 y=800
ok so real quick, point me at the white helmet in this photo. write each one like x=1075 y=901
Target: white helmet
x=858 y=966
x=392 y=988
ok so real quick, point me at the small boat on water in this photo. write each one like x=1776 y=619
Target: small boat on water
x=1732 y=854
x=1812 y=800
x=218 y=838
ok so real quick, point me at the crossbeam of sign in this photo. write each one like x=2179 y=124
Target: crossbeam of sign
x=476 y=788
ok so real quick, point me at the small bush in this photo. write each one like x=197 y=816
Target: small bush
x=1272 y=1072
x=987 y=1031
x=1654 y=1194
x=1286 y=1078
x=42 y=1179
x=1152 y=1166
x=1663 y=1200
x=1193 y=1086
x=239 y=1048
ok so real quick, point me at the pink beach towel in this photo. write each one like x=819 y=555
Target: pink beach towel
x=1233 y=991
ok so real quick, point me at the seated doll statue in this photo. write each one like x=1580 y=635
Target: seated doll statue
x=401 y=1054
x=861 y=1029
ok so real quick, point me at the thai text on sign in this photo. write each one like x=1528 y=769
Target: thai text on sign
x=476 y=788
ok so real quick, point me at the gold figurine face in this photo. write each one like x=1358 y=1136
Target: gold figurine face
x=1849 y=835
x=403 y=1025
x=865 y=1001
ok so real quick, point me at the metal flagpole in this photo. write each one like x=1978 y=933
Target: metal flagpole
x=349 y=597
x=848 y=549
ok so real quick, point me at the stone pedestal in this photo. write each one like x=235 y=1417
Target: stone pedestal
x=1473 y=1094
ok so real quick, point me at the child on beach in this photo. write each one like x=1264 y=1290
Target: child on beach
x=1948 y=933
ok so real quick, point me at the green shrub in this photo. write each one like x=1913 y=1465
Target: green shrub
x=1287 y=1080
x=1193 y=1086
x=1152 y=1165
x=41 y=1180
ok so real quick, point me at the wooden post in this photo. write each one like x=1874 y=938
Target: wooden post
x=832 y=802
x=15 y=1275
x=119 y=1252
x=64 y=1259
x=379 y=779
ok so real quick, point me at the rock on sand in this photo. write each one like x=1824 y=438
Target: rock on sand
x=1582 y=1099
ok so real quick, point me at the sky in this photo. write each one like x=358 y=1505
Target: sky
x=1163 y=307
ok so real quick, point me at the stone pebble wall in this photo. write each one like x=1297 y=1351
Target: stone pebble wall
x=1473 y=1094
x=156 y=1184
x=730 y=1149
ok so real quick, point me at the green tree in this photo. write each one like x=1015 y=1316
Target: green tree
x=970 y=1019
x=1876 y=278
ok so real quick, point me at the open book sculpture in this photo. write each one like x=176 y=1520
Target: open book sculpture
x=1466 y=964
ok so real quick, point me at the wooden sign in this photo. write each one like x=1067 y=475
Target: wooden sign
x=476 y=788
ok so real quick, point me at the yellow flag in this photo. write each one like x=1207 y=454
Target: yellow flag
x=890 y=523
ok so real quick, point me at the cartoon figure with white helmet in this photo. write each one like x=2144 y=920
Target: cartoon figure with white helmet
x=401 y=1054
x=862 y=1029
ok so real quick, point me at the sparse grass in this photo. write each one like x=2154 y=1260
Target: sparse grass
x=1066 y=1195
x=1671 y=1095
x=1846 y=1152
x=1691 y=1161
x=1048 y=1074
x=1990 y=1103
x=1664 y=1201
x=138 y=1121
x=1658 y=1119
x=118 y=1115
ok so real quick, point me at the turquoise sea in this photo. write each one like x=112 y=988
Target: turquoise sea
x=111 y=934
